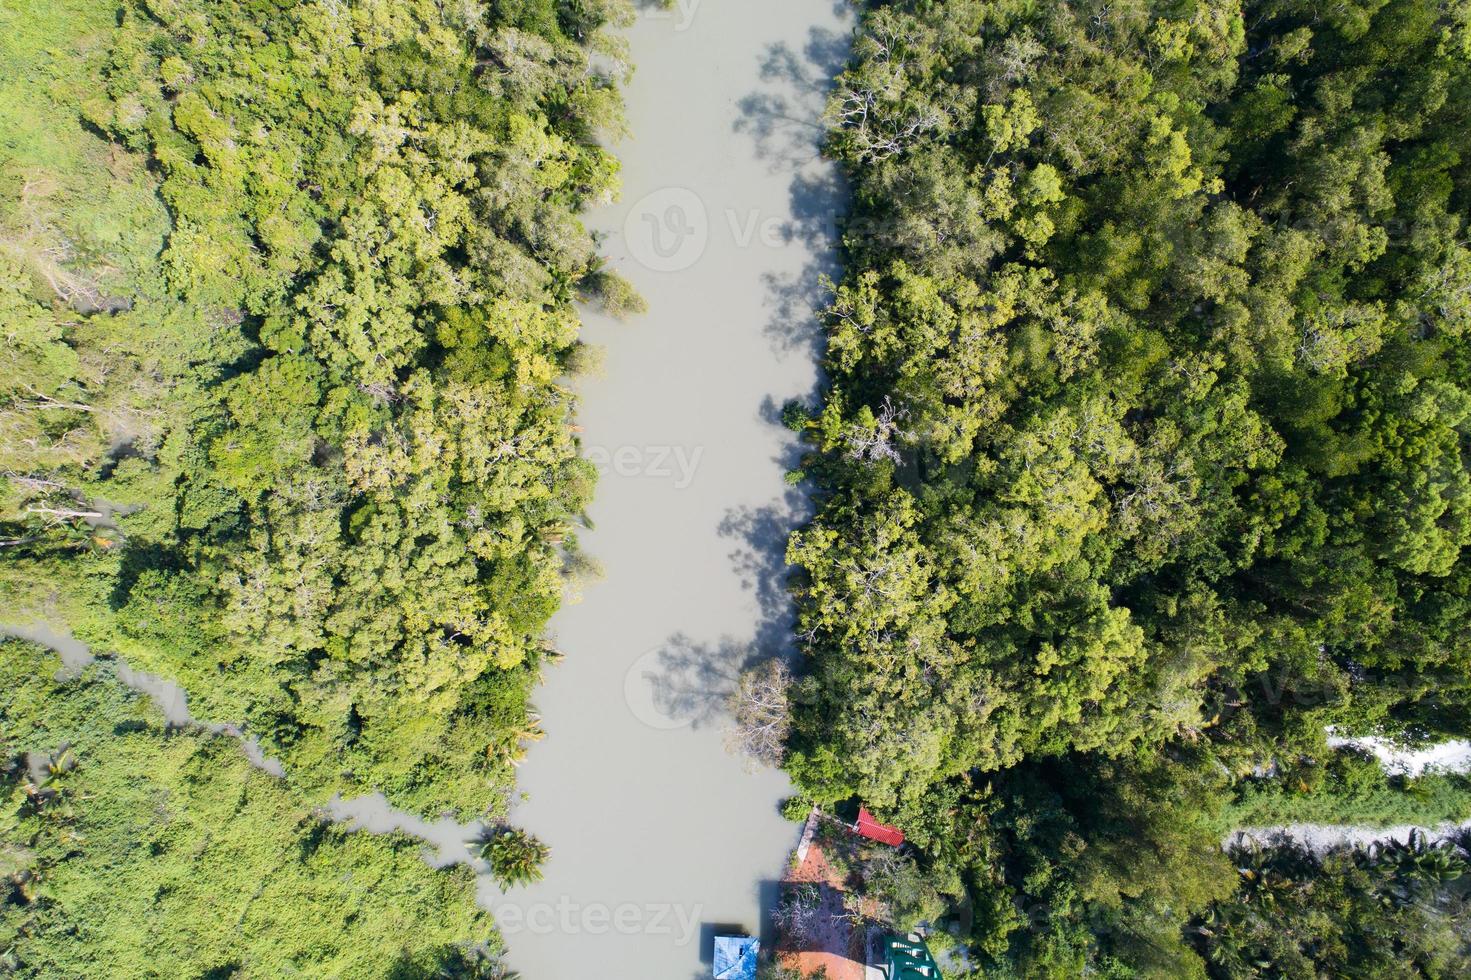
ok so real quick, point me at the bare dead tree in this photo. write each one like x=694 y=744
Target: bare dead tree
x=796 y=915
x=65 y=514
x=878 y=135
x=762 y=713
x=34 y=484
x=875 y=105
x=876 y=443
x=382 y=392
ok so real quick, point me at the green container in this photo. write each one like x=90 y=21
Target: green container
x=909 y=959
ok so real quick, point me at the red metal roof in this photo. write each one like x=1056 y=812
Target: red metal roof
x=873 y=830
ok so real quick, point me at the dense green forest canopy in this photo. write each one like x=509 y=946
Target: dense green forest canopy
x=1391 y=910
x=292 y=308
x=1143 y=457
x=1142 y=463
x=286 y=298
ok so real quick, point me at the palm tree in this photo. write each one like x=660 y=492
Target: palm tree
x=515 y=856
x=1262 y=881
x=1417 y=868
x=63 y=762
x=510 y=744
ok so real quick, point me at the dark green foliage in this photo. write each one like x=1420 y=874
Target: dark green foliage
x=286 y=294
x=1143 y=455
x=1394 y=910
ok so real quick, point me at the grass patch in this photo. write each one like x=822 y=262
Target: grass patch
x=1350 y=788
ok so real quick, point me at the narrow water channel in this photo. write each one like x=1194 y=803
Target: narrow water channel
x=659 y=836
x=167 y=696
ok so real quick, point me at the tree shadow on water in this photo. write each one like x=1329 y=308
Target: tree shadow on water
x=794 y=299
x=759 y=558
x=784 y=119
x=783 y=116
x=691 y=681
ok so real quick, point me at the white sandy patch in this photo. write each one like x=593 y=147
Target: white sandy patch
x=1320 y=838
x=1452 y=756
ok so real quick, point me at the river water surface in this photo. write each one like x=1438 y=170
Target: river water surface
x=659 y=836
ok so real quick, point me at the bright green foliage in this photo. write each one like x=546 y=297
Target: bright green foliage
x=1352 y=788
x=1144 y=453
x=322 y=371
x=285 y=297
x=146 y=852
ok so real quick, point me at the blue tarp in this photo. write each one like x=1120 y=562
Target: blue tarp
x=735 y=957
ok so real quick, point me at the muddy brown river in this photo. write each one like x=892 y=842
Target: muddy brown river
x=659 y=836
